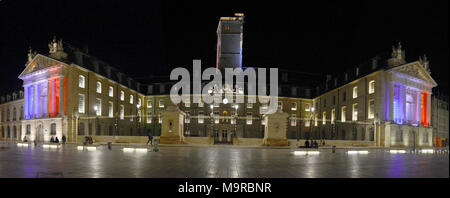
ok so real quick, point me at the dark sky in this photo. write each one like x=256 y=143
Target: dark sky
x=152 y=38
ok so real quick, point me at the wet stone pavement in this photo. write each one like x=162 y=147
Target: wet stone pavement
x=214 y=162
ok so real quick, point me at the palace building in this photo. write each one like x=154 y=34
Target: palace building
x=385 y=102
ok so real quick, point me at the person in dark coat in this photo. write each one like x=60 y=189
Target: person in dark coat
x=306 y=144
x=56 y=140
x=52 y=140
x=64 y=139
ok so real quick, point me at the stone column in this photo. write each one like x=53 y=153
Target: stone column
x=391 y=101
x=61 y=96
x=275 y=129
x=172 y=125
x=35 y=99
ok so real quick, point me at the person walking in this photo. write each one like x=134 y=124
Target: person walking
x=64 y=139
x=150 y=139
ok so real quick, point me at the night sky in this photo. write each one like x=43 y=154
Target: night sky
x=152 y=38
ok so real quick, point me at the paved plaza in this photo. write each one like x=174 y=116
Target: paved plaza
x=214 y=162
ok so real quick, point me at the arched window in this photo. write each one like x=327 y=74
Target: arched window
x=3 y=132
x=98 y=129
x=371 y=134
x=81 y=129
x=363 y=134
x=8 y=132
x=131 y=131
x=7 y=114
x=14 y=113
x=53 y=129
x=354 y=133
x=343 y=135
x=14 y=132
x=28 y=132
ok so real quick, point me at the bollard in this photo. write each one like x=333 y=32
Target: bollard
x=155 y=145
x=333 y=149
x=109 y=145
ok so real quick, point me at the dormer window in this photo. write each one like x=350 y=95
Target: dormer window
x=99 y=87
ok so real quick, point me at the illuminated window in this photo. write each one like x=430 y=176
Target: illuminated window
x=98 y=107
x=307 y=123
x=159 y=119
x=139 y=116
x=81 y=83
x=355 y=92
x=149 y=116
x=371 y=87
x=201 y=117
x=371 y=111
x=293 y=120
x=110 y=109
x=138 y=105
x=187 y=119
x=161 y=103
x=355 y=112
x=324 y=118
x=149 y=104
x=333 y=115
x=216 y=117
x=280 y=105
x=131 y=99
x=99 y=87
x=307 y=107
x=81 y=103
x=249 y=105
x=249 y=118
x=201 y=104
x=343 y=113
x=187 y=104
x=131 y=114
x=316 y=118
x=122 y=112
x=122 y=96
x=294 y=106
x=111 y=91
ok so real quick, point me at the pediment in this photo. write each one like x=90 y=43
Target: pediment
x=38 y=63
x=415 y=70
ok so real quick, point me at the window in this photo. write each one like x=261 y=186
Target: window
x=293 y=120
x=99 y=87
x=138 y=105
x=371 y=109
x=324 y=118
x=159 y=119
x=131 y=114
x=187 y=119
x=187 y=104
x=53 y=129
x=355 y=92
x=216 y=117
x=111 y=91
x=28 y=131
x=371 y=87
x=98 y=107
x=110 y=110
x=249 y=118
x=333 y=115
x=294 y=106
x=131 y=99
x=161 y=103
x=122 y=96
x=139 y=116
x=81 y=129
x=14 y=113
x=307 y=107
x=149 y=103
x=122 y=112
x=201 y=104
x=280 y=105
x=343 y=113
x=425 y=138
x=81 y=103
x=21 y=113
x=344 y=96
x=399 y=136
x=399 y=104
x=81 y=81
x=355 y=112
x=424 y=120
x=233 y=121
x=201 y=117
x=249 y=105
x=316 y=118
x=307 y=123
x=149 y=116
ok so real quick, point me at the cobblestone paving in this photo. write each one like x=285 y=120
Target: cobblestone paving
x=207 y=162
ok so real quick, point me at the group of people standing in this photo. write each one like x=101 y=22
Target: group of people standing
x=313 y=143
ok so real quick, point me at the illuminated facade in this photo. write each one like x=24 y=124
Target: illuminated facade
x=68 y=92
